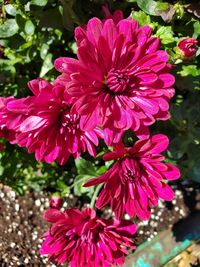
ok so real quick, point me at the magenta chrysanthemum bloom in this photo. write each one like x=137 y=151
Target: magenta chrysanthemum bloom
x=10 y=120
x=51 y=128
x=120 y=80
x=83 y=239
x=137 y=179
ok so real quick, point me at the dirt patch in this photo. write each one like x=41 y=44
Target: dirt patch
x=21 y=223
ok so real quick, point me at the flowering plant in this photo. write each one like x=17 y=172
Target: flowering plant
x=110 y=91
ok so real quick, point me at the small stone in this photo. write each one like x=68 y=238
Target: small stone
x=145 y=222
x=37 y=203
x=19 y=233
x=26 y=260
x=17 y=207
x=12 y=245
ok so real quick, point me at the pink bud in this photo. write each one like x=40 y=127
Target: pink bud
x=55 y=202
x=188 y=47
x=116 y=16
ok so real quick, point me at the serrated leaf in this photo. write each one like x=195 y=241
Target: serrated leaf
x=8 y=28
x=141 y=17
x=165 y=33
x=189 y=70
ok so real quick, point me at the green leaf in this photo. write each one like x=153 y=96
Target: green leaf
x=20 y=21
x=141 y=17
x=79 y=181
x=194 y=172
x=44 y=50
x=148 y=6
x=29 y=27
x=47 y=65
x=196 y=29
x=165 y=33
x=8 y=28
x=162 y=6
x=7 y=70
x=10 y=9
x=39 y=2
x=189 y=70
x=85 y=167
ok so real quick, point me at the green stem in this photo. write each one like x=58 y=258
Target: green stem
x=77 y=182
x=96 y=192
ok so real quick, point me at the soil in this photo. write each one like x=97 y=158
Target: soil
x=21 y=223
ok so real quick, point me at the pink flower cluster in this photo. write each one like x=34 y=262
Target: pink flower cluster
x=120 y=81
x=83 y=239
x=137 y=179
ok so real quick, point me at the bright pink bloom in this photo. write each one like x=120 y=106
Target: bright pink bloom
x=137 y=179
x=120 y=80
x=10 y=120
x=82 y=239
x=51 y=129
x=188 y=47
x=56 y=202
x=116 y=16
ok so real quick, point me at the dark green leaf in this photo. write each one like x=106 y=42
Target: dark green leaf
x=85 y=167
x=194 y=172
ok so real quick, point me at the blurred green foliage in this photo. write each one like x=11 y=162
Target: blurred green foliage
x=34 y=33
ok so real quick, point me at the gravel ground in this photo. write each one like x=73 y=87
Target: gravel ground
x=21 y=223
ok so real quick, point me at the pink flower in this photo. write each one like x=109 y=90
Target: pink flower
x=120 y=80
x=83 y=239
x=188 y=47
x=137 y=179
x=51 y=128
x=10 y=120
x=116 y=16
x=56 y=202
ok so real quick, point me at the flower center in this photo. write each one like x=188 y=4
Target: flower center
x=130 y=170
x=69 y=122
x=129 y=176
x=117 y=80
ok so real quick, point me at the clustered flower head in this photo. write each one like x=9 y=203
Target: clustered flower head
x=46 y=124
x=121 y=78
x=137 y=179
x=120 y=81
x=83 y=239
x=188 y=47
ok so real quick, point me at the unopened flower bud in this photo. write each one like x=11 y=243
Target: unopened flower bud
x=56 y=202
x=188 y=47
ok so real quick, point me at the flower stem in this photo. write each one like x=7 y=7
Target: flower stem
x=97 y=189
